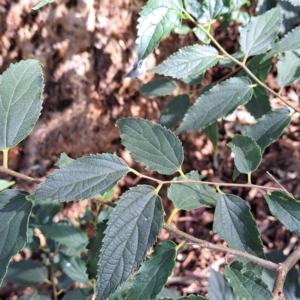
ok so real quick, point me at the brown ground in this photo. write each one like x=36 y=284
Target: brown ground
x=86 y=48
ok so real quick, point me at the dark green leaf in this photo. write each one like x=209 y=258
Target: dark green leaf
x=290 y=15
x=36 y=295
x=214 y=8
x=14 y=215
x=226 y=62
x=192 y=60
x=79 y=294
x=157 y=20
x=4 y=184
x=44 y=211
x=294 y=2
x=94 y=248
x=26 y=273
x=64 y=281
x=218 y=287
x=159 y=87
x=270 y=127
x=246 y=285
x=213 y=134
x=33 y=242
x=105 y=214
x=265 y=5
x=64 y=160
x=288 y=68
x=121 y=292
x=174 y=111
x=87 y=217
x=217 y=103
x=42 y=3
x=247 y=154
x=235 y=224
x=21 y=88
x=191 y=297
x=129 y=235
x=192 y=80
x=190 y=195
x=151 y=144
x=286 y=209
x=154 y=273
x=83 y=178
x=169 y=293
x=66 y=234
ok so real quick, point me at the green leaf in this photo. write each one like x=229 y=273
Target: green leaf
x=169 y=293
x=192 y=80
x=4 y=184
x=192 y=60
x=235 y=224
x=201 y=35
x=218 y=287
x=182 y=29
x=174 y=111
x=216 y=103
x=289 y=42
x=129 y=235
x=269 y=127
x=295 y=2
x=36 y=295
x=21 y=88
x=191 y=297
x=64 y=281
x=105 y=214
x=108 y=194
x=44 y=211
x=260 y=33
x=246 y=285
x=74 y=267
x=212 y=133
x=66 y=234
x=157 y=20
x=190 y=195
x=214 y=8
x=78 y=294
x=64 y=160
x=194 y=7
x=159 y=87
x=286 y=209
x=14 y=215
x=83 y=178
x=226 y=62
x=42 y=3
x=288 y=68
x=151 y=144
x=26 y=273
x=154 y=273
x=94 y=248
x=33 y=242
x=121 y=292
x=247 y=154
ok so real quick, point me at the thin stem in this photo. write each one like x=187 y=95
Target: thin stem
x=135 y=172
x=5 y=158
x=249 y=178
x=280 y=90
x=180 y=245
x=19 y=175
x=218 y=189
x=158 y=188
x=245 y=60
x=174 y=212
x=181 y=173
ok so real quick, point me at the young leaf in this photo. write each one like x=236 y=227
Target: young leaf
x=182 y=29
x=190 y=195
x=94 y=247
x=14 y=215
x=212 y=133
x=235 y=224
x=21 y=88
x=154 y=273
x=129 y=235
x=288 y=68
x=157 y=20
x=218 y=287
x=151 y=144
x=83 y=178
x=247 y=155
x=286 y=209
x=174 y=111
x=201 y=35
x=79 y=294
x=66 y=234
x=42 y=3
x=64 y=160
x=217 y=103
x=26 y=273
x=290 y=41
x=246 y=285
x=270 y=127
x=260 y=33
x=192 y=60
x=4 y=184
x=159 y=87
x=36 y=295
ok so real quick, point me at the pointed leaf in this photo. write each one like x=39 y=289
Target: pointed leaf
x=286 y=209
x=212 y=133
x=269 y=127
x=83 y=178
x=79 y=294
x=260 y=33
x=26 y=273
x=121 y=292
x=157 y=20
x=42 y=3
x=21 y=88
x=64 y=160
x=247 y=154
x=129 y=235
x=246 y=285
x=66 y=234
x=158 y=87
x=151 y=144
x=217 y=103
x=190 y=195
x=174 y=111
x=154 y=273
x=192 y=60
x=94 y=248
x=288 y=68
x=14 y=215
x=4 y=184
x=290 y=41
x=36 y=295
x=290 y=15
x=235 y=224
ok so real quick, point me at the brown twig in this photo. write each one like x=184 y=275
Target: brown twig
x=19 y=175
